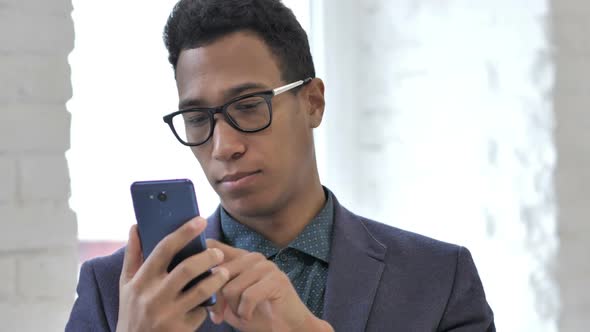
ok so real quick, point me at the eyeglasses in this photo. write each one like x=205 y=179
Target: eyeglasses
x=248 y=114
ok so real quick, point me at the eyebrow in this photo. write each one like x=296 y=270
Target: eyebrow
x=228 y=94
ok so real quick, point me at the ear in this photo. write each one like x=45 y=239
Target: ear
x=315 y=101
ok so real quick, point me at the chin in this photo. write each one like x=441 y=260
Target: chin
x=250 y=205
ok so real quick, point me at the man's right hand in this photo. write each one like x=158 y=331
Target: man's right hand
x=151 y=299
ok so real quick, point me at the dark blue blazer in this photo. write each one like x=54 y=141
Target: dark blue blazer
x=380 y=278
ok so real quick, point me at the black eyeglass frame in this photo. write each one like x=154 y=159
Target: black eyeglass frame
x=211 y=111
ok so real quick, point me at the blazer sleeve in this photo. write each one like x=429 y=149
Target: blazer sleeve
x=467 y=308
x=88 y=311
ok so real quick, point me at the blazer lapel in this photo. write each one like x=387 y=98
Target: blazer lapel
x=354 y=271
x=213 y=230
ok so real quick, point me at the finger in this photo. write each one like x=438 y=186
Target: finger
x=265 y=289
x=191 y=268
x=165 y=250
x=195 y=317
x=133 y=256
x=232 y=319
x=237 y=291
x=254 y=271
x=216 y=311
x=215 y=318
x=229 y=252
x=204 y=289
x=243 y=263
x=237 y=322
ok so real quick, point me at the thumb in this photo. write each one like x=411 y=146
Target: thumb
x=133 y=256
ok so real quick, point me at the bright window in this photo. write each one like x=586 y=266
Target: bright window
x=123 y=85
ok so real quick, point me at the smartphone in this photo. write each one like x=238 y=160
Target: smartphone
x=161 y=207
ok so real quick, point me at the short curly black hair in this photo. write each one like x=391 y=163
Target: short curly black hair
x=196 y=23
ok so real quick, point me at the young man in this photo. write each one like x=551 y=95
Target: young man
x=286 y=255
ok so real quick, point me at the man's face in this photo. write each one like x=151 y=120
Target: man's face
x=254 y=174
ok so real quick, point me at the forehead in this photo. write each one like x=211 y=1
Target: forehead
x=239 y=58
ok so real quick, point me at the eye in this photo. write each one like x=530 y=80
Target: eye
x=248 y=105
x=196 y=120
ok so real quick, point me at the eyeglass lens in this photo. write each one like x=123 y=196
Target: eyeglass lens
x=248 y=114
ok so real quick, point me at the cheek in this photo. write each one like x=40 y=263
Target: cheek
x=197 y=153
x=295 y=142
x=202 y=157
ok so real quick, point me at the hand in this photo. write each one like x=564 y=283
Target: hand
x=151 y=299
x=259 y=296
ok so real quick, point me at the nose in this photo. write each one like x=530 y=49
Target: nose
x=228 y=143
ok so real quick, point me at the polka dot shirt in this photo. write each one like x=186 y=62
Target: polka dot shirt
x=305 y=260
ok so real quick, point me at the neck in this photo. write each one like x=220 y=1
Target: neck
x=284 y=225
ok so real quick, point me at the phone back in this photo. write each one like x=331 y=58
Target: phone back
x=161 y=207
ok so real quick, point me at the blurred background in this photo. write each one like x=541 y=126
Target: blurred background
x=463 y=120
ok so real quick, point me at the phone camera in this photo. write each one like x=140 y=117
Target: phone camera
x=162 y=197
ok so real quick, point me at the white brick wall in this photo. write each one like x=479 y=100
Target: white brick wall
x=51 y=265
x=36 y=226
x=44 y=177
x=33 y=78
x=42 y=8
x=36 y=38
x=38 y=264
x=48 y=128
x=7 y=277
x=7 y=178
x=39 y=314
x=571 y=39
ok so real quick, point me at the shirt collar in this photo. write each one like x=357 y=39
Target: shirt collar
x=314 y=240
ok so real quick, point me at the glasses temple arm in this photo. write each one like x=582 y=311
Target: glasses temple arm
x=290 y=86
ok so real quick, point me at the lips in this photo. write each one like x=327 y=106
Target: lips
x=236 y=176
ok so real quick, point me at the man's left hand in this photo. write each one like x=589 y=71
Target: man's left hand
x=259 y=296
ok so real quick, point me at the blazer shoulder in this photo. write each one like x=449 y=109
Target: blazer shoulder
x=400 y=240
x=107 y=272
x=108 y=267
x=96 y=306
x=445 y=272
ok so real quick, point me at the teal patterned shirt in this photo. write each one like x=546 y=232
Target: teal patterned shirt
x=305 y=260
